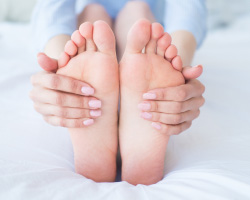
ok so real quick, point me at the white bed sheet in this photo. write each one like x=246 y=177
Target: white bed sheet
x=209 y=161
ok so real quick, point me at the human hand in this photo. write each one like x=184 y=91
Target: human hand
x=173 y=109
x=64 y=101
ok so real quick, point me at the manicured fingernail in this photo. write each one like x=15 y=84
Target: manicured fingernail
x=95 y=113
x=146 y=115
x=88 y=122
x=87 y=90
x=95 y=104
x=144 y=106
x=156 y=125
x=149 y=96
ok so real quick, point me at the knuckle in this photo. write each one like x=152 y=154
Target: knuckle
x=63 y=122
x=202 y=101
x=59 y=99
x=46 y=119
x=162 y=94
x=178 y=130
x=197 y=114
x=178 y=107
x=63 y=112
x=182 y=94
x=77 y=123
x=177 y=119
x=203 y=88
x=74 y=86
x=84 y=102
x=167 y=129
x=84 y=113
x=157 y=117
x=156 y=106
x=54 y=82
x=36 y=107
x=189 y=124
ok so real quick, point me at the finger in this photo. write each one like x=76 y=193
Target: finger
x=62 y=83
x=193 y=88
x=171 y=119
x=172 y=107
x=192 y=72
x=61 y=99
x=171 y=129
x=67 y=113
x=68 y=123
x=47 y=63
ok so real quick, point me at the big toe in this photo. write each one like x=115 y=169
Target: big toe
x=103 y=37
x=138 y=36
x=47 y=63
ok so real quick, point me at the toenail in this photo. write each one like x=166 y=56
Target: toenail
x=88 y=122
x=149 y=96
x=146 y=115
x=156 y=125
x=87 y=90
x=95 y=113
x=144 y=106
x=95 y=104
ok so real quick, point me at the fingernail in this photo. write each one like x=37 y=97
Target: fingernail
x=146 y=115
x=149 y=96
x=95 y=113
x=95 y=104
x=156 y=125
x=88 y=122
x=144 y=106
x=87 y=90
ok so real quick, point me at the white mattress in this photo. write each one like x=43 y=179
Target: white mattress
x=209 y=161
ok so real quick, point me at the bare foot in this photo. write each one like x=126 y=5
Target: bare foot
x=90 y=56
x=142 y=147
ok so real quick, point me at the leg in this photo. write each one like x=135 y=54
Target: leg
x=142 y=146
x=133 y=11
x=94 y=12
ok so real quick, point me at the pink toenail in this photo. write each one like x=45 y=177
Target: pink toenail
x=144 y=106
x=87 y=90
x=146 y=115
x=95 y=113
x=95 y=104
x=156 y=125
x=88 y=122
x=149 y=96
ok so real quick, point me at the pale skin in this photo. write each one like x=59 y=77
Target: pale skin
x=63 y=102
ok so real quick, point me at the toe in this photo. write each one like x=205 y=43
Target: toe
x=86 y=30
x=156 y=32
x=47 y=63
x=104 y=37
x=138 y=36
x=163 y=43
x=79 y=40
x=63 y=60
x=70 y=48
x=177 y=63
x=171 y=52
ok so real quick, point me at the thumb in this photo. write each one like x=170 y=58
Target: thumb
x=192 y=72
x=47 y=63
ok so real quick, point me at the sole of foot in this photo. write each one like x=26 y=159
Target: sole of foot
x=90 y=57
x=142 y=146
